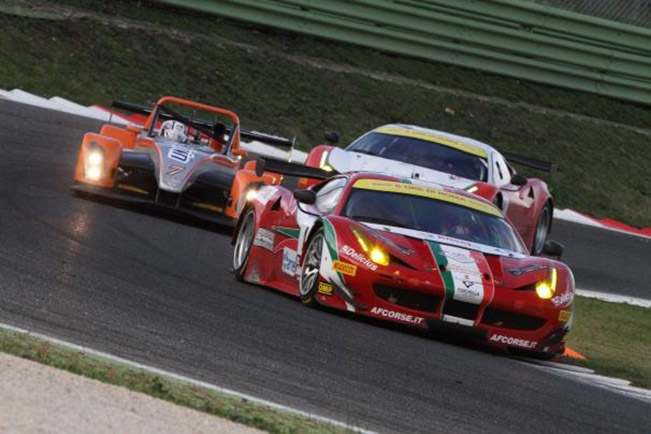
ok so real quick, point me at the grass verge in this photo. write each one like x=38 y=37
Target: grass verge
x=616 y=339
x=300 y=86
x=175 y=391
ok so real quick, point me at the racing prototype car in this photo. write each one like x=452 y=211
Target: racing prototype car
x=410 y=252
x=177 y=160
x=448 y=159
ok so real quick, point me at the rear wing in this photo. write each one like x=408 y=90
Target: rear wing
x=532 y=163
x=248 y=135
x=274 y=165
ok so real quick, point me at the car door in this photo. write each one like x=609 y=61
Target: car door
x=517 y=199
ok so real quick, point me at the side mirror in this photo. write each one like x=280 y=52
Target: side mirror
x=308 y=197
x=518 y=180
x=553 y=248
x=331 y=137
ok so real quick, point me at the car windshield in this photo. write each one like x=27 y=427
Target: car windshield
x=430 y=215
x=422 y=153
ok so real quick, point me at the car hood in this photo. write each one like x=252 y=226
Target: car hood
x=178 y=164
x=424 y=251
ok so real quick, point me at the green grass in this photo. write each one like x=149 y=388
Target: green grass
x=175 y=391
x=616 y=339
x=269 y=82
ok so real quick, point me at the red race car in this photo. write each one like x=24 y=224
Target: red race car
x=409 y=252
x=448 y=159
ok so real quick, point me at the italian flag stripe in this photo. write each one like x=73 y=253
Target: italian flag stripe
x=442 y=261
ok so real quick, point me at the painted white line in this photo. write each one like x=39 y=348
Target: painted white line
x=574 y=217
x=616 y=385
x=614 y=298
x=184 y=379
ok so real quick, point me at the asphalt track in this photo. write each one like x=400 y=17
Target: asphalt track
x=158 y=291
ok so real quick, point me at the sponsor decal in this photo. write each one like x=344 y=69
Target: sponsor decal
x=462 y=277
x=564 y=315
x=325 y=288
x=565 y=298
x=174 y=170
x=180 y=154
x=527 y=269
x=344 y=268
x=397 y=315
x=429 y=192
x=463 y=146
x=290 y=262
x=264 y=238
x=508 y=340
x=359 y=257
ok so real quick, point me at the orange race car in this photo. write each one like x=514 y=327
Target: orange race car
x=186 y=157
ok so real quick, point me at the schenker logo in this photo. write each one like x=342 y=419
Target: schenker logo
x=397 y=315
x=508 y=340
x=359 y=257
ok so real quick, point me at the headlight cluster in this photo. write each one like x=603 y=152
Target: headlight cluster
x=374 y=251
x=547 y=288
x=94 y=164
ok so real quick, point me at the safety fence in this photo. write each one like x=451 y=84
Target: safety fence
x=516 y=38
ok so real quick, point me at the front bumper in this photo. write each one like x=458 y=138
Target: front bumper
x=157 y=199
x=515 y=319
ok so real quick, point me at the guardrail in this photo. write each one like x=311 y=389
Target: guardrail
x=509 y=37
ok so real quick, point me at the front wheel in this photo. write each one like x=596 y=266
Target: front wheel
x=309 y=282
x=243 y=244
x=543 y=224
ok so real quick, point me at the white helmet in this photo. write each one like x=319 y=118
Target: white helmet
x=174 y=130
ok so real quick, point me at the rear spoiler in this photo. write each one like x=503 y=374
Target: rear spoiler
x=245 y=134
x=266 y=164
x=532 y=163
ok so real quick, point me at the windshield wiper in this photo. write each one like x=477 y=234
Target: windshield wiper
x=373 y=219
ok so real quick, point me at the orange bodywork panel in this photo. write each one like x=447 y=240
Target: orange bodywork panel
x=109 y=148
x=244 y=179
x=126 y=136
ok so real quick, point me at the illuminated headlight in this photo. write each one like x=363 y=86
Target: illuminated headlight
x=379 y=256
x=323 y=165
x=95 y=158
x=94 y=164
x=94 y=173
x=375 y=253
x=472 y=189
x=547 y=288
x=251 y=194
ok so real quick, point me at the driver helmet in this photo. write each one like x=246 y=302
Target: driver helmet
x=174 y=130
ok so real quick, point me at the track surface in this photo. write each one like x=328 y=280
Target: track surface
x=158 y=291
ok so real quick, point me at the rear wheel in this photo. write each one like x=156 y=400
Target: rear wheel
x=542 y=229
x=243 y=244
x=309 y=282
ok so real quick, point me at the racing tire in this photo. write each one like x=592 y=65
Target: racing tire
x=309 y=280
x=543 y=225
x=243 y=243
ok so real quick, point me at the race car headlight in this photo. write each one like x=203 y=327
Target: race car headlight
x=323 y=165
x=251 y=194
x=547 y=288
x=379 y=256
x=94 y=164
x=375 y=252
